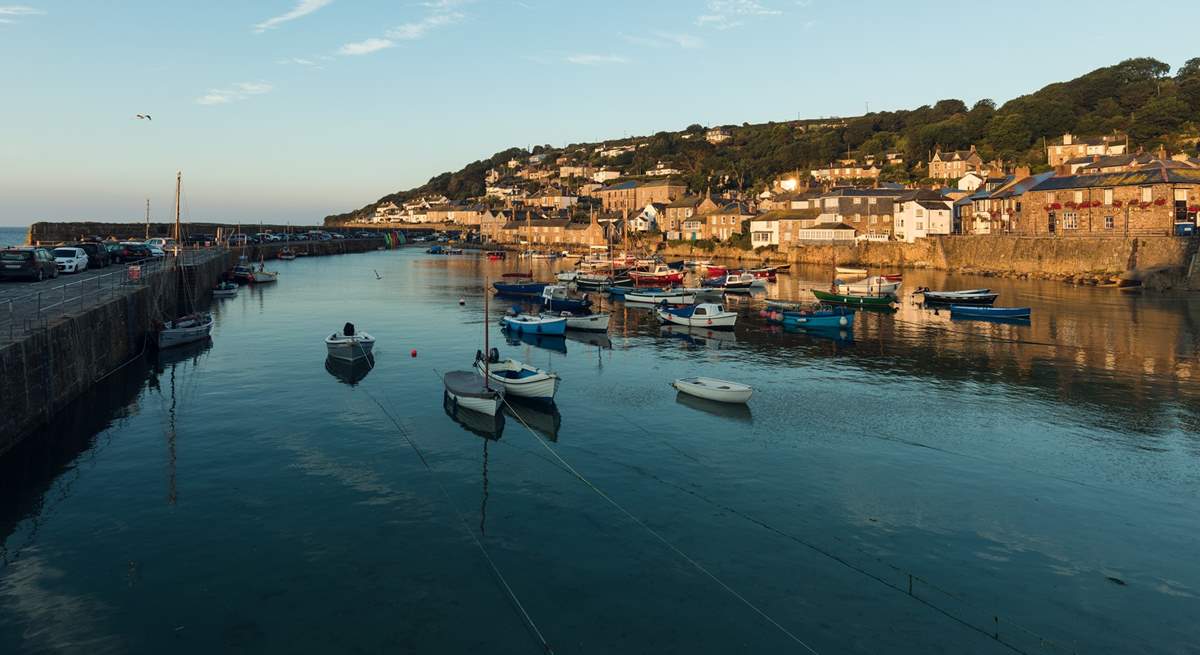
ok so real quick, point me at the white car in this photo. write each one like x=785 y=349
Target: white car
x=162 y=243
x=156 y=251
x=70 y=260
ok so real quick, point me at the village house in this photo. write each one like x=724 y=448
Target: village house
x=921 y=213
x=632 y=196
x=970 y=182
x=826 y=232
x=1154 y=200
x=676 y=213
x=662 y=170
x=780 y=227
x=718 y=135
x=1003 y=206
x=552 y=198
x=501 y=225
x=605 y=174
x=649 y=219
x=954 y=164
x=535 y=174
x=727 y=221
x=1072 y=146
x=566 y=172
x=503 y=189
x=866 y=210
x=846 y=170
x=387 y=212
x=587 y=234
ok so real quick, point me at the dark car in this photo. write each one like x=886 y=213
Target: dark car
x=97 y=254
x=128 y=252
x=28 y=262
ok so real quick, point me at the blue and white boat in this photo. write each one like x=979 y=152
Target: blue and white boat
x=656 y=296
x=826 y=318
x=517 y=378
x=704 y=315
x=520 y=289
x=532 y=324
x=555 y=297
x=976 y=311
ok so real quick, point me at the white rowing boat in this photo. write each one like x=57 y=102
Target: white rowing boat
x=722 y=391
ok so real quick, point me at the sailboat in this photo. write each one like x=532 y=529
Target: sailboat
x=466 y=389
x=261 y=275
x=188 y=328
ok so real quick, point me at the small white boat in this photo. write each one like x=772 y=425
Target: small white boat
x=566 y=276
x=672 y=297
x=185 y=329
x=466 y=389
x=519 y=379
x=872 y=285
x=850 y=270
x=722 y=391
x=587 y=323
x=262 y=277
x=349 y=347
x=225 y=290
x=704 y=315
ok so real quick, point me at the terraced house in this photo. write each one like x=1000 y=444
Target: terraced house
x=1160 y=200
x=954 y=164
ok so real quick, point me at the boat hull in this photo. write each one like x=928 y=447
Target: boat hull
x=550 y=326
x=724 y=321
x=520 y=290
x=539 y=385
x=721 y=391
x=589 y=323
x=466 y=389
x=975 y=311
x=656 y=298
x=349 y=349
x=853 y=301
x=171 y=336
x=850 y=270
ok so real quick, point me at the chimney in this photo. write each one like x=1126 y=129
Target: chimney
x=1022 y=172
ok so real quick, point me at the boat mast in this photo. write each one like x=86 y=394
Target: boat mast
x=486 y=350
x=147 y=219
x=178 y=182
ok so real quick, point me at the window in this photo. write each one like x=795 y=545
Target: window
x=874 y=219
x=1147 y=194
x=1108 y=196
x=1108 y=222
x=920 y=212
x=1070 y=221
x=870 y=201
x=920 y=226
x=1078 y=196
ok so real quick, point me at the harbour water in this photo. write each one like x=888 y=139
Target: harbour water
x=915 y=485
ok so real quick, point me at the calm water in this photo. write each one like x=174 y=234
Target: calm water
x=241 y=498
x=13 y=236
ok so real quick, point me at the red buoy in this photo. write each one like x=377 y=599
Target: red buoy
x=414 y=352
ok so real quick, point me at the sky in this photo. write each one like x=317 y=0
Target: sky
x=289 y=110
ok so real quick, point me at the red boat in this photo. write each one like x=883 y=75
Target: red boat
x=661 y=276
x=894 y=277
x=496 y=255
x=762 y=273
x=715 y=271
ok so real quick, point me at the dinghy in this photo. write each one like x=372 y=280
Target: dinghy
x=871 y=286
x=975 y=311
x=185 y=329
x=722 y=391
x=521 y=289
x=850 y=270
x=467 y=390
x=585 y=322
x=734 y=283
x=967 y=297
x=531 y=324
x=854 y=300
x=517 y=378
x=839 y=317
x=704 y=315
x=286 y=255
x=225 y=290
x=671 y=297
x=566 y=276
x=349 y=344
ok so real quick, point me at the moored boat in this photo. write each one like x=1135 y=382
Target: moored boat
x=185 y=329
x=703 y=315
x=966 y=297
x=468 y=390
x=854 y=300
x=733 y=282
x=722 y=391
x=532 y=324
x=286 y=255
x=520 y=289
x=850 y=270
x=870 y=286
x=566 y=276
x=496 y=255
x=660 y=275
x=588 y=322
x=555 y=297
x=517 y=378
x=671 y=297
x=349 y=344
x=225 y=290
x=838 y=317
x=975 y=311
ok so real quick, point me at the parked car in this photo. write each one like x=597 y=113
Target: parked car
x=238 y=239
x=97 y=254
x=162 y=243
x=200 y=240
x=156 y=251
x=28 y=262
x=127 y=252
x=70 y=259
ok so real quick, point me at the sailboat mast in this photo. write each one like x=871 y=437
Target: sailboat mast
x=147 y=219
x=486 y=350
x=178 y=182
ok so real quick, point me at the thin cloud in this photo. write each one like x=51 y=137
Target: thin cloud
x=7 y=11
x=238 y=91
x=302 y=9
x=441 y=13
x=727 y=14
x=659 y=39
x=593 y=60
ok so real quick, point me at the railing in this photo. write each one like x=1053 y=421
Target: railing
x=22 y=314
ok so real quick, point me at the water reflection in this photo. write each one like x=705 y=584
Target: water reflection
x=699 y=338
x=477 y=423
x=544 y=418
x=350 y=372
x=555 y=343
x=735 y=411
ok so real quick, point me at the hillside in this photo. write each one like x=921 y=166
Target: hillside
x=1137 y=97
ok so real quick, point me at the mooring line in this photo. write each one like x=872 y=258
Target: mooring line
x=512 y=595
x=697 y=565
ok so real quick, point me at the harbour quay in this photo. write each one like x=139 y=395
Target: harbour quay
x=61 y=338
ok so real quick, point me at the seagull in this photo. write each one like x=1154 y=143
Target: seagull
x=145 y=117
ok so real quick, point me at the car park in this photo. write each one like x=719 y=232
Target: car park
x=70 y=259
x=29 y=262
x=156 y=251
x=98 y=256
x=238 y=239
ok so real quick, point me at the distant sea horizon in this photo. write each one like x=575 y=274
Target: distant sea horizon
x=13 y=235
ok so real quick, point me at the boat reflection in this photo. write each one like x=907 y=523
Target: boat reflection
x=597 y=339
x=839 y=334
x=557 y=343
x=734 y=411
x=699 y=337
x=477 y=423
x=989 y=319
x=543 y=418
x=350 y=372
x=179 y=354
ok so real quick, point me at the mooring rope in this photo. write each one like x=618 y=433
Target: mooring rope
x=697 y=565
x=512 y=595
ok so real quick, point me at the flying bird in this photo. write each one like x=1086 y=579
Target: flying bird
x=144 y=117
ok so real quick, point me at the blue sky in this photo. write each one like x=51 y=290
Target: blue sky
x=287 y=110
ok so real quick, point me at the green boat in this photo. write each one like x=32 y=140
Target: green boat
x=855 y=301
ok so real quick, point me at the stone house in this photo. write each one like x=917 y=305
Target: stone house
x=552 y=198
x=826 y=232
x=632 y=196
x=1151 y=201
x=727 y=221
x=780 y=227
x=676 y=213
x=1001 y=208
x=866 y=210
x=718 y=135
x=576 y=171
x=847 y=170
x=953 y=164
x=1072 y=147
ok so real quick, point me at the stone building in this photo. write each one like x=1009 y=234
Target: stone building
x=954 y=164
x=1145 y=202
x=726 y=222
x=1072 y=147
x=847 y=170
x=633 y=196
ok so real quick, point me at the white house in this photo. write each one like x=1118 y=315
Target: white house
x=649 y=218
x=604 y=175
x=660 y=169
x=764 y=232
x=826 y=232
x=388 y=212
x=970 y=182
x=920 y=214
x=692 y=229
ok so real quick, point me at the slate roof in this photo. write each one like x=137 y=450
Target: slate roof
x=1128 y=178
x=1019 y=187
x=789 y=215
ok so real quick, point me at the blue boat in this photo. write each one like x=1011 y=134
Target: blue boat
x=974 y=311
x=530 y=324
x=555 y=297
x=618 y=292
x=520 y=289
x=824 y=318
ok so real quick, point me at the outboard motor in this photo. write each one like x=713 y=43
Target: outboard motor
x=493 y=356
x=478 y=356
x=348 y=329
